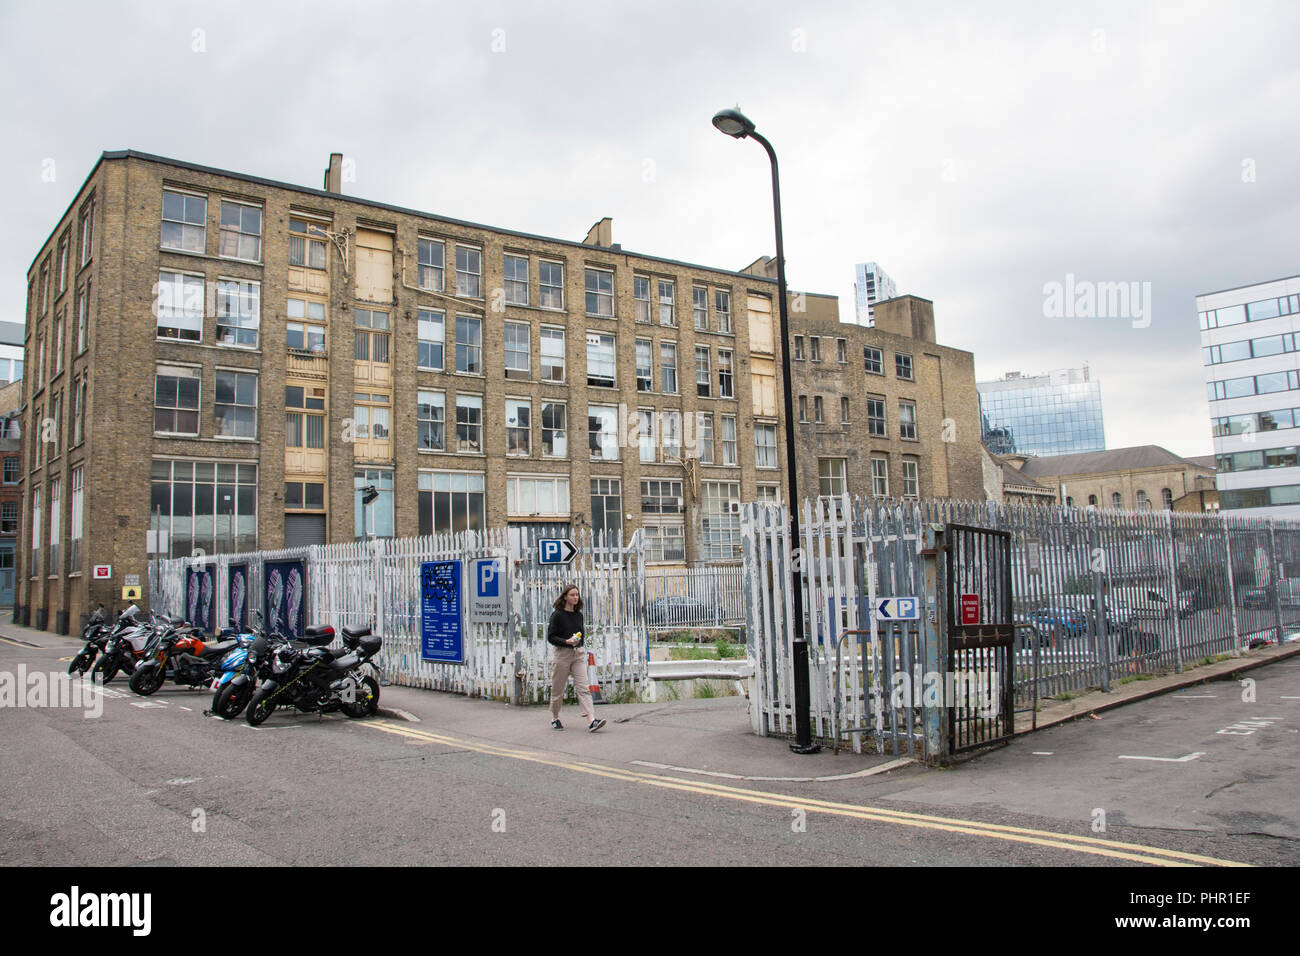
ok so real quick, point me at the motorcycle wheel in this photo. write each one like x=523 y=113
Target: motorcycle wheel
x=231 y=700
x=79 y=664
x=367 y=705
x=145 y=682
x=103 y=671
x=259 y=708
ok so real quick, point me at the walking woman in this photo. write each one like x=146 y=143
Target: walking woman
x=566 y=634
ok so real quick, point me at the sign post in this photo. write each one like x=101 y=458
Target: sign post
x=441 y=614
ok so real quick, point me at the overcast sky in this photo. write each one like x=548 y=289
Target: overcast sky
x=976 y=151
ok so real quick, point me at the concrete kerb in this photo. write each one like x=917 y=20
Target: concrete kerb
x=1059 y=712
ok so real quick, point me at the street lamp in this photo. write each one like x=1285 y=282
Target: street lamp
x=736 y=124
x=368 y=494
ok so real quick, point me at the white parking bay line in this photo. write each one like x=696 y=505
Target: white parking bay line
x=1196 y=696
x=1043 y=753
x=148 y=703
x=1183 y=759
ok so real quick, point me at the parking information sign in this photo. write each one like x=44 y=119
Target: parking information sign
x=489 y=587
x=441 y=628
x=555 y=550
x=897 y=609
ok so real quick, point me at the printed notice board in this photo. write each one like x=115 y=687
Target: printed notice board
x=441 y=614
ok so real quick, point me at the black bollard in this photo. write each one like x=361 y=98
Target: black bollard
x=802 y=721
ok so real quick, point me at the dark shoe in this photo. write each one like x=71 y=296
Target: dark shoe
x=596 y=724
x=556 y=725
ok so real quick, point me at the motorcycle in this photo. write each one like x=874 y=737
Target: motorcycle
x=179 y=651
x=123 y=647
x=95 y=634
x=311 y=677
x=237 y=672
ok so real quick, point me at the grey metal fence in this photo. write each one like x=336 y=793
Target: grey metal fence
x=1099 y=597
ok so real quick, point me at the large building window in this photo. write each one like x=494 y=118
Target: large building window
x=184 y=222
x=903 y=365
x=873 y=360
x=671 y=429
x=644 y=366
x=305 y=328
x=431 y=327
x=208 y=505
x=907 y=420
x=552 y=353
x=601 y=362
x=241 y=232
x=56 y=512
x=78 y=514
x=550 y=277
x=662 y=524
x=667 y=303
x=239 y=310
x=518 y=346
x=34 y=566
x=645 y=433
x=722 y=309
x=876 y=417
x=374 y=519
x=831 y=477
x=469 y=272
x=306 y=244
x=432 y=276
x=704 y=437
x=880 y=477
x=469 y=344
x=304 y=496
x=911 y=479
x=555 y=430
x=304 y=418
x=178 y=306
x=235 y=405
x=720 y=521
x=516 y=268
x=729 y=440
x=371 y=336
x=86 y=221
x=764 y=445
x=9 y=517
x=641 y=297
x=726 y=375
x=668 y=367
x=469 y=424
x=537 y=497
x=176 y=400
x=700 y=306
x=703 y=374
x=519 y=427
x=1167 y=499
x=451 y=502
x=600 y=292
x=372 y=414
x=607 y=508
x=602 y=432
x=431 y=416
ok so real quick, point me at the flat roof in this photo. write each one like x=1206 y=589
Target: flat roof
x=404 y=210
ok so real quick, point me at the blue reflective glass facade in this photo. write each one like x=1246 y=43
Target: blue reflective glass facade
x=1039 y=418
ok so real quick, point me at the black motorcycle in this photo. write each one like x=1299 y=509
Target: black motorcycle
x=123 y=646
x=307 y=675
x=180 y=652
x=95 y=634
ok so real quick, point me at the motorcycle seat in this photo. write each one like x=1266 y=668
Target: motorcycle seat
x=219 y=648
x=346 y=662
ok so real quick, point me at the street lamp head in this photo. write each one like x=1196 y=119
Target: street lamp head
x=368 y=494
x=733 y=123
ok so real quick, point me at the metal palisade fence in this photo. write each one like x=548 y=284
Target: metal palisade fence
x=377 y=584
x=1099 y=598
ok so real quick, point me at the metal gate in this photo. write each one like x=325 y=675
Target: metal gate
x=980 y=684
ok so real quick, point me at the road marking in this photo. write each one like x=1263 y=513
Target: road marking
x=1291 y=698
x=1043 y=753
x=190 y=709
x=1108 y=848
x=1196 y=696
x=17 y=643
x=404 y=714
x=1186 y=758
x=870 y=771
x=148 y=703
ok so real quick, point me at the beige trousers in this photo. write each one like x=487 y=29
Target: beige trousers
x=570 y=661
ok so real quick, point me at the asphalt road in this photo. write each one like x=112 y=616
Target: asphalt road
x=474 y=782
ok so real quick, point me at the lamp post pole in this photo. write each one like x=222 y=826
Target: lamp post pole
x=737 y=125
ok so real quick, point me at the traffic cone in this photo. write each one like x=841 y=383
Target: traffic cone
x=593 y=680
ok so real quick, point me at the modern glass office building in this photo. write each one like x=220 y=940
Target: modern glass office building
x=870 y=285
x=1249 y=338
x=1054 y=414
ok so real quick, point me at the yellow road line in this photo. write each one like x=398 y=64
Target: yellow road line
x=1047 y=838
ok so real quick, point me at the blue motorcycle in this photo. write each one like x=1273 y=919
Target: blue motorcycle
x=231 y=696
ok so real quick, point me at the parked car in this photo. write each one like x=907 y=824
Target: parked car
x=1058 y=621
x=677 y=610
x=1028 y=634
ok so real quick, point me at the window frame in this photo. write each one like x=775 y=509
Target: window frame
x=239 y=233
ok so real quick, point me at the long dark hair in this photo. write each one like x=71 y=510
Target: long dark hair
x=559 y=601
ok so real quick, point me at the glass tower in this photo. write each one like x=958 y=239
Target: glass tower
x=870 y=285
x=1054 y=414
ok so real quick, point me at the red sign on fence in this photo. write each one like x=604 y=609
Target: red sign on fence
x=970 y=609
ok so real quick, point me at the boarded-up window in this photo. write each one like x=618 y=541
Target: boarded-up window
x=374 y=266
x=762 y=373
x=760 y=325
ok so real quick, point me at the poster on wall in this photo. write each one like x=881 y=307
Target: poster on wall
x=237 y=582
x=441 y=613
x=286 y=596
x=200 y=591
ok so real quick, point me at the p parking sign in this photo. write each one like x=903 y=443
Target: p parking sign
x=489 y=589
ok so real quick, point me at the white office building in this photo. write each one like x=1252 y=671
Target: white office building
x=11 y=352
x=871 y=285
x=1249 y=339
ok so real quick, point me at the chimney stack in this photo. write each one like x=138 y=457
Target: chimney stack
x=334 y=174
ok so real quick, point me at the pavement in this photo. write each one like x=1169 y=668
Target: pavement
x=710 y=737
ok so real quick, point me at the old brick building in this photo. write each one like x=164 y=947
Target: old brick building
x=230 y=360
x=884 y=410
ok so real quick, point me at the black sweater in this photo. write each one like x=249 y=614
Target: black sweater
x=564 y=624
